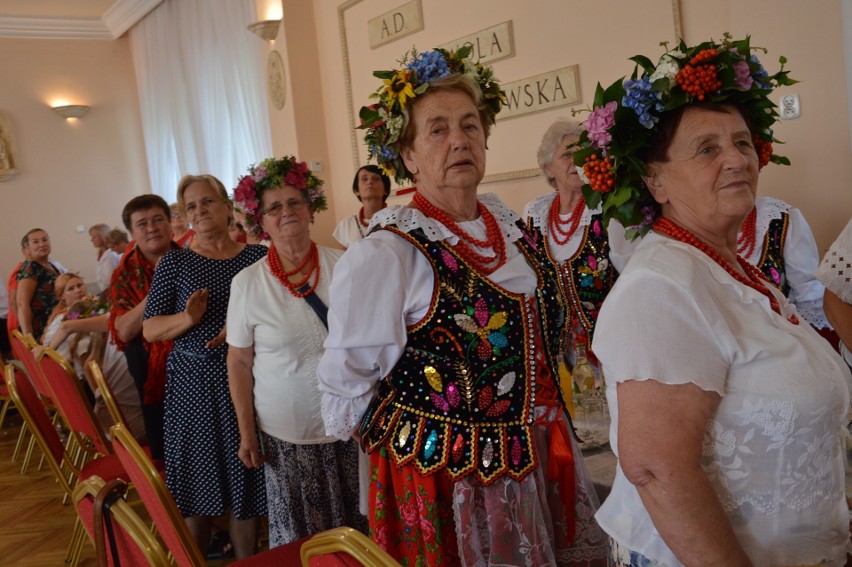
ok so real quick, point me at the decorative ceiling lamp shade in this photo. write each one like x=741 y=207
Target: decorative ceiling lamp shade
x=266 y=30
x=71 y=110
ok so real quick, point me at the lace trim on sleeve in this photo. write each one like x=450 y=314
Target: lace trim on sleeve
x=835 y=270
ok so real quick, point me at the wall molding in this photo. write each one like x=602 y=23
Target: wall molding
x=119 y=18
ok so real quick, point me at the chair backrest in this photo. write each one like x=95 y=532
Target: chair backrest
x=39 y=423
x=135 y=545
x=69 y=397
x=344 y=546
x=106 y=394
x=157 y=498
x=22 y=349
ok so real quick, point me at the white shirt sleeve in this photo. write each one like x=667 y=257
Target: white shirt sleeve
x=620 y=248
x=379 y=288
x=835 y=270
x=801 y=259
x=240 y=333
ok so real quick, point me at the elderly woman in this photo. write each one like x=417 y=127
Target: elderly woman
x=117 y=241
x=182 y=234
x=35 y=297
x=577 y=241
x=728 y=411
x=107 y=259
x=187 y=303
x=372 y=187
x=443 y=360
x=276 y=328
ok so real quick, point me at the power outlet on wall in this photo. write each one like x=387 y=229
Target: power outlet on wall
x=790 y=107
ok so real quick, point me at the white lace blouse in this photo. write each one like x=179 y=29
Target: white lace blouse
x=835 y=272
x=774 y=449
x=383 y=284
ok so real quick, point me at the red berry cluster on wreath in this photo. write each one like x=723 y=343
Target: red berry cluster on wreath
x=763 y=149
x=600 y=173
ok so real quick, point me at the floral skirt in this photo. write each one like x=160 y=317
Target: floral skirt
x=429 y=520
x=310 y=488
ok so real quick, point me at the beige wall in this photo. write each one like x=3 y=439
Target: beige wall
x=550 y=34
x=71 y=173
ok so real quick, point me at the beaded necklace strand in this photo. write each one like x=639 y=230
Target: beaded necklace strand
x=310 y=261
x=560 y=230
x=464 y=246
x=361 y=220
x=753 y=279
x=748 y=238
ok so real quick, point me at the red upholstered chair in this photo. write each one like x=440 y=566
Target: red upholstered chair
x=62 y=464
x=168 y=519
x=5 y=398
x=135 y=545
x=344 y=547
x=21 y=348
x=71 y=400
x=106 y=394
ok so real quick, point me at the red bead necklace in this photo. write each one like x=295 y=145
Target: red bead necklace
x=464 y=246
x=361 y=220
x=748 y=235
x=309 y=262
x=560 y=230
x=755 y=279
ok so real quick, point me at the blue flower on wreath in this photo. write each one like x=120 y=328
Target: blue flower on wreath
x=383 y=152
x=643 y=100
x=760 y=73
x=429 y=66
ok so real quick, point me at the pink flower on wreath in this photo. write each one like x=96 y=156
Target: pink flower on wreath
x=296 y=175
x=742 y=75
x=260 y=172
x=245 y=189
x=598 y=124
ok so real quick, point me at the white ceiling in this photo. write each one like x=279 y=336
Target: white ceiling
x=71 y=19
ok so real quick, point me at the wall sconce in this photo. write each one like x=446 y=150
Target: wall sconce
x=266 y=30
x=71 y=110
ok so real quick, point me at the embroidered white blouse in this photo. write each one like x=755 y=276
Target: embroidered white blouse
x=381 y=285
x=835 y=271
x=774 y=451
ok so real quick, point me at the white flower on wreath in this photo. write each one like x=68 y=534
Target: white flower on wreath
x=393 y=123
x=667 y=68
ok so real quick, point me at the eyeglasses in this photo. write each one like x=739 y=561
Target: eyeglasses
x=277 y=208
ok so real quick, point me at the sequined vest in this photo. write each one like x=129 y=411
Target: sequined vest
x=772 y=258
x=586 y=277
x=462 y=396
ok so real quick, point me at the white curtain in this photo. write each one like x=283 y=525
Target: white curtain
x=201 y=91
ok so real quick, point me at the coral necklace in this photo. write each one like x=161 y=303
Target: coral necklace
x=310 y=262
x=464 y=246
x=748 y=238
x=361 y=220
x=560 y=230
x=753 y=279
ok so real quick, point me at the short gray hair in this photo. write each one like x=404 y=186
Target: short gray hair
x=552 y=140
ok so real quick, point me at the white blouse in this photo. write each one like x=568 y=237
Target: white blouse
x=774 y=451
x=287 y=337
x=835 y=271
x=383 y=284
x=349 y=231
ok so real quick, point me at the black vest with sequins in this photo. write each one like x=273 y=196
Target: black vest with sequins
x=772 y=259
x=462 y=396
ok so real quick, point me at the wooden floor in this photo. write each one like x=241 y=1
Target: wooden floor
x=35 y=527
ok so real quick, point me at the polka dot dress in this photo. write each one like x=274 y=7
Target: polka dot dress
x=203 y=472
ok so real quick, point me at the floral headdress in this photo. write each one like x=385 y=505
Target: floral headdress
x=625 y=117
x=384 y=119
x=273 y=173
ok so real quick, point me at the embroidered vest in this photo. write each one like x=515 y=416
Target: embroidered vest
x=772 y=258
x=586 y=278
x=461 y=398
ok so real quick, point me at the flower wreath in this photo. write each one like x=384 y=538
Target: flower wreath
x=624 y=118
x=273 y=173
x=383 y=120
